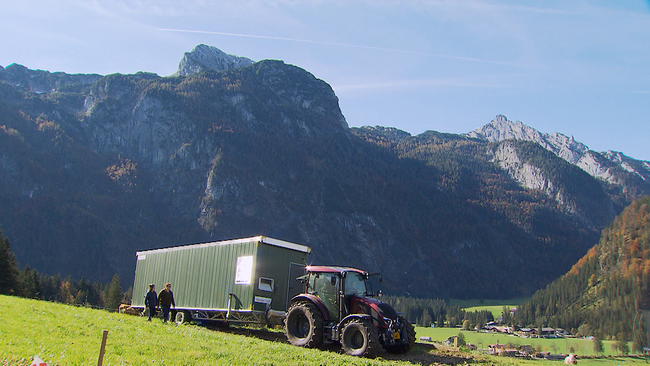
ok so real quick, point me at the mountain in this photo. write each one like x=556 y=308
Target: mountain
x=629 y=175
x=606 y=287
x=94 y=168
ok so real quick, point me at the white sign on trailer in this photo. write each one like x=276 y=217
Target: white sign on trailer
x=244 y=270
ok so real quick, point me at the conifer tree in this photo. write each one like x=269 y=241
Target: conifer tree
x=8 y=268
x=29 y=283
x=113 y=294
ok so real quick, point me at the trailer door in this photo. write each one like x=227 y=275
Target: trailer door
x=295 y=286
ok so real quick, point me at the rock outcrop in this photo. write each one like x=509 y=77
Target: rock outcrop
x=204 y=57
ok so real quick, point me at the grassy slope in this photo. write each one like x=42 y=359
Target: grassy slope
x=67 y=335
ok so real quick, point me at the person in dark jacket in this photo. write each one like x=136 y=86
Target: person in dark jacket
x=151 y=301
x=166 y=300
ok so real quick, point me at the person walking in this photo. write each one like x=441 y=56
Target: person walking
x=166 y=300
x=151 y=301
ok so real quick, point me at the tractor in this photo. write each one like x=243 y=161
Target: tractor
x=338 y=306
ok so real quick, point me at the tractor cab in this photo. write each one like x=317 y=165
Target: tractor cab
x=339 y=288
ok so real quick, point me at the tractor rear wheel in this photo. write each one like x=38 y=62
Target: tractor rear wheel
x=304 y=325
x=360 y=338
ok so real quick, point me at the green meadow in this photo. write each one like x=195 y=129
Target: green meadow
x=66 y=335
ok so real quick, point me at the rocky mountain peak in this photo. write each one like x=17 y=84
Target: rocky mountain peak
x=500 y=128
x=598 y=165
x=209 y=57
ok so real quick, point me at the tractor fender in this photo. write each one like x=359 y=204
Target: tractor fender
x=351 y=317
x=314 y=300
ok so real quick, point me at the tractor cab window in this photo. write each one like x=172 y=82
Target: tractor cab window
x=325 y=286
x=323 y=283
x=355 y=284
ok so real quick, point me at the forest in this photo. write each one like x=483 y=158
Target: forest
x=28 y=283
x=601 y=294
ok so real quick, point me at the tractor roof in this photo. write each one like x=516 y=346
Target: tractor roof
x=329 y=269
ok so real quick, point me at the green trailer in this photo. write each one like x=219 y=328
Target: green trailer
x=247 y=280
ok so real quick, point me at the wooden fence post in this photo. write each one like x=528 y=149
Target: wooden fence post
x=100 y=361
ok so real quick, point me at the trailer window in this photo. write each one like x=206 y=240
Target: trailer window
x=266 y=284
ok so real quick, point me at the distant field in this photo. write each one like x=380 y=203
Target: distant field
x=478 y=303
x=496 y=310
x=582 y=347
x=494 y=306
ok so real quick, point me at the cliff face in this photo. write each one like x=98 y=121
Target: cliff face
x=94 y=168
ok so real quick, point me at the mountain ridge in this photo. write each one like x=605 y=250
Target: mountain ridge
x=92 y=172
x=597 y=164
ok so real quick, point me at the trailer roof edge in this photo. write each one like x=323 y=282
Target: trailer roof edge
x=260 y=238
x=285 y=244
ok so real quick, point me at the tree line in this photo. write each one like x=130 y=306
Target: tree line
x=28 y=283
x=436 y=312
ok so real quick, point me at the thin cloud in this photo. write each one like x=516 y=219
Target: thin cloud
x=450 y=82
x=463 y=58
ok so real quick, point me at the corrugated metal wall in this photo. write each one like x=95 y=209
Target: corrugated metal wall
x=203 y=275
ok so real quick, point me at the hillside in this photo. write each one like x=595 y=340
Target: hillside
x=95 y=167
x=604 y=288
x=67 y=335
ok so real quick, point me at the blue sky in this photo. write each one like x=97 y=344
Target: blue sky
x=577 y=67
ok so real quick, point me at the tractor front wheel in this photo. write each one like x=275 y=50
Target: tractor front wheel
x=360 y=338
x=304 y=325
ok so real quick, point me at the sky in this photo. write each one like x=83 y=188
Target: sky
x=581 y=68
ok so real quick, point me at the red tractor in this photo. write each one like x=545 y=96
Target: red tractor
x=336 y=307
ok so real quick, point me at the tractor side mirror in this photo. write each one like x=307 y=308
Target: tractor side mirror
x=373 y=284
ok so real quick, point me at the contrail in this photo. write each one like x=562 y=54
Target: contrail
x=345 y=45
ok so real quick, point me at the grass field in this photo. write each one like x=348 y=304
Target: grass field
x=494 y=306
x=66 y=335
x=470 y=303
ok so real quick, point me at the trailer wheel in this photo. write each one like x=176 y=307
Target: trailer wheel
x=407 y=331
x=304 y=325
x=360 y=338
x=182 y=317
